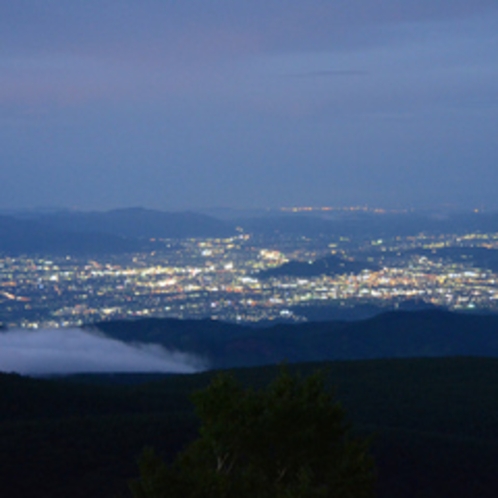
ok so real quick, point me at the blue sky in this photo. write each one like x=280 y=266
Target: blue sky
x=176 y=105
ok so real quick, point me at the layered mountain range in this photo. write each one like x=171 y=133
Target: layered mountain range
x=395 y=334
x=125 y=230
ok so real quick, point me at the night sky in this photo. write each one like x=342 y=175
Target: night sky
x=262 y=103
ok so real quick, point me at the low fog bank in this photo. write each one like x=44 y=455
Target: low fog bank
x=72 y=350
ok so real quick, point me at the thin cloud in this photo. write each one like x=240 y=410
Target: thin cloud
x=66 y=351
x=329 y=73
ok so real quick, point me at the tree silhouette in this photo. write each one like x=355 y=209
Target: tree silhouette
x=289 y=440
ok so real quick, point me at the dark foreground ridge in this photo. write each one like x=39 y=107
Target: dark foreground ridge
x=433 y=420
x=396 y=334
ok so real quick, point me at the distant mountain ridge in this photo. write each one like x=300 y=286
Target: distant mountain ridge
x=109 y=232
x=141 y=223
x=123 y=230
x=366 y=224
x=20 y=236
x=396 y=334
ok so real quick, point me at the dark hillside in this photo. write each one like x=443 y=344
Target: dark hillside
x=330 y=265
x=393 y=334
x=96 y=233
x=34 y=237
x=141 y=223
x=434 y=420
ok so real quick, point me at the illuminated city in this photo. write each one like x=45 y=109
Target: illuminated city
x=218 y=278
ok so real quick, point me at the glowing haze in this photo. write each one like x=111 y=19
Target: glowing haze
x=66 y=351
x=264 y=103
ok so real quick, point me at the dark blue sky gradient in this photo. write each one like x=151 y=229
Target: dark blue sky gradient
x=174 y=105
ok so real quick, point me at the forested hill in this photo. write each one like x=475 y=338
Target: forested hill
x=434 y=422
x=426 y=333
x=330 y=265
